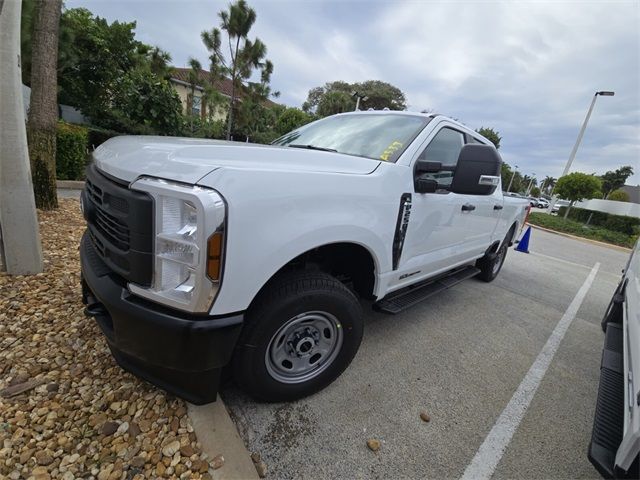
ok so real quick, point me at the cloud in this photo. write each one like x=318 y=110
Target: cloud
x=527 y=69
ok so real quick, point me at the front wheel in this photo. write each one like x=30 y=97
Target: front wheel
x=300 y=335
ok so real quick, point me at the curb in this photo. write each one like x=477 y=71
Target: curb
x=218 y=435
x=582 y=239
x=70 y=184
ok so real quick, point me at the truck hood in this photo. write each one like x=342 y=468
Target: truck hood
x=188 y=160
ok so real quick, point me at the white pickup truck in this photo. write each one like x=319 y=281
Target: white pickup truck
x=204 y=254
x=615 y=440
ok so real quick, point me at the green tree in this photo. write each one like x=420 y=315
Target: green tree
x=99 y=65
x=618 y=196
x=613 y=180
x=43 y=110
x=290 y=119
x=334 y=102
x=535 y=192
x=94 y=55
x=379 y=95
x=144 y=104
x=576 y=187
x=490 y=134
x=245 y=55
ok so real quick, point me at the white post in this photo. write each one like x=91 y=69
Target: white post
x=529 y=187
x=512 y=177
x=19 y=232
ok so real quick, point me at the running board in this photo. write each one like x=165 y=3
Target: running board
x=409 y=296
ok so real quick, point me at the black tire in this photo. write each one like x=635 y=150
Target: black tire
x=491 y=264
x=287 y=298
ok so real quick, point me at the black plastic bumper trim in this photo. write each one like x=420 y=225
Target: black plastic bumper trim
x=181 y=353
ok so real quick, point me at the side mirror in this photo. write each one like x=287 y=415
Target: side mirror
x=477 y=171
x=425 y=166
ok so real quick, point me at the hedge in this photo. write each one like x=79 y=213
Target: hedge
x=98 y=136
x=572 y=227
x=71 y=151
x=609 y=221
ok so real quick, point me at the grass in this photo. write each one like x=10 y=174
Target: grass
x=559 y=224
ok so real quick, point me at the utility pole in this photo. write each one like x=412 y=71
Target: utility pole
x=512 y=177
x=20 y=247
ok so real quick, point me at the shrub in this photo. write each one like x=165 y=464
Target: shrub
x=71 y=151
x=98 y=136
x=619 y=196
x=617 y=223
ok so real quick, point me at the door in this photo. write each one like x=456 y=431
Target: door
x=446 y=229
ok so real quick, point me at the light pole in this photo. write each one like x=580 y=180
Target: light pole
x=602 y=93
x=359 y=97
x=512 y=177
x=533 y=175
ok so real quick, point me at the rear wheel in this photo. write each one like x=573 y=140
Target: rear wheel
x=301 y=334
x=491 y=264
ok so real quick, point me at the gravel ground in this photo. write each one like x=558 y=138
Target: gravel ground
x=80 y=416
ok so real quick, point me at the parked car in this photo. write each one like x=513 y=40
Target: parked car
x=558 y=204
x=542 y=203
x=615 y=439
x=201 y=254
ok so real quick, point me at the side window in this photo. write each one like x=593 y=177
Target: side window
x=444 y=148
x=196 y=105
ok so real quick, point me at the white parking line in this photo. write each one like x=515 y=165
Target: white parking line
x=490 y=452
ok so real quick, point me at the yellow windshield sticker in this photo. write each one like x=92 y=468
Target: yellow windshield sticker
x=390 y=150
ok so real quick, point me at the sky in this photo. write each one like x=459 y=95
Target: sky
x=526 y=69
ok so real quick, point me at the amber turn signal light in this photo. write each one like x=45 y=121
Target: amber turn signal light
x=214 y=256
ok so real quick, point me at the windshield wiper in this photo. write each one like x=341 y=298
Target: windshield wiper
x=312 y=147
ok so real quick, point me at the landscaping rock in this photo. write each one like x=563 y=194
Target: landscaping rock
x=373 y=444
x=68 y=410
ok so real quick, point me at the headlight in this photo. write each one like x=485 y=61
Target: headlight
x=189 y=244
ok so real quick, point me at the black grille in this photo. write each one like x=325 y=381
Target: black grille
x=120 y=222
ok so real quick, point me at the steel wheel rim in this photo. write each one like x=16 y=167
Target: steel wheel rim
x=304 y=347
x=502 y=251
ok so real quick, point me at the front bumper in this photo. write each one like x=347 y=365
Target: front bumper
x=181 y=353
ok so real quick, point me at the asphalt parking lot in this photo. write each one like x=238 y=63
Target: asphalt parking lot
x=461 y=356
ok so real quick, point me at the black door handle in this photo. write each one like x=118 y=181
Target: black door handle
x=497 y=207
x=467 y=207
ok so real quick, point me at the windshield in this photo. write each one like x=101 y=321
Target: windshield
x=375 y=136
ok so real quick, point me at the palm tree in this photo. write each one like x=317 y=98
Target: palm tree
x=194 y=81
x=548 y=183
x=244 y=55
x=159 y=61
x=43 y=110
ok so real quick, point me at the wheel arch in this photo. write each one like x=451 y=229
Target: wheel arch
x=350 y=262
